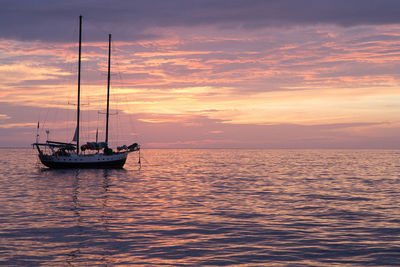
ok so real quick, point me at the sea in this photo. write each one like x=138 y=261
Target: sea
x=204 y=207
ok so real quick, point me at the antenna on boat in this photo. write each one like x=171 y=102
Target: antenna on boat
x=37 y=133
x=47 y=134
x=108 y=86
x=79 y=86
x=140 y=162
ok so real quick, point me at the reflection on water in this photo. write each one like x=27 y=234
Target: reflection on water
x=204 y=207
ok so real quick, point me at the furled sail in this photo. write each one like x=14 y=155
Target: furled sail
x=75 y=135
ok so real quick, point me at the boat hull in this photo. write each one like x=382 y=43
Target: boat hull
x=95 y=161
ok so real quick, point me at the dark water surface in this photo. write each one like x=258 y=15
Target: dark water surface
x=204 y=208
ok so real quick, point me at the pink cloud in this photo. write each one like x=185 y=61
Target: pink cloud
x=211 y=87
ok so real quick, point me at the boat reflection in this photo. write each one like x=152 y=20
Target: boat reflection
x=89 y=218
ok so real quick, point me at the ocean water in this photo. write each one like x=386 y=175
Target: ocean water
x=204 y=208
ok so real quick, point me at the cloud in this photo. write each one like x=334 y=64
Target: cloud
x=307 y=76
x=234 y=73
x=131 y=20
x=202 y=134
x=4 y=117
x=191 y=131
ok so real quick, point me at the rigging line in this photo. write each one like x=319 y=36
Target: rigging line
x=115 y=95
x=117 y=98
x=119 y=107
x=52 y=114
x=98 y=118
x=71 y=67
x=88 y=21
x=123 y=85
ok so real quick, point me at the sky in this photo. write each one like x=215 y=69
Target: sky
x=307 y=74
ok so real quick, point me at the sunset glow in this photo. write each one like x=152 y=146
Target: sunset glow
x=285 y=83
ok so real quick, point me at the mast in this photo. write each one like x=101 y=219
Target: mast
x=108 y=86
x=79 y=86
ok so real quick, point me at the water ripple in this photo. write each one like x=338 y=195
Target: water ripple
x=205 y=208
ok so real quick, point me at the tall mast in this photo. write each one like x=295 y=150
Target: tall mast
x=108 y=86
x=79 y=85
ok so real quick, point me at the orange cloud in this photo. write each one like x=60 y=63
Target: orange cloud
x=310 y=76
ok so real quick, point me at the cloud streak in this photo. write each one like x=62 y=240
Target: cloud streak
x=46 y=20
x=208 y=73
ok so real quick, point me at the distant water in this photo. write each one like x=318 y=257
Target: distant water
x=204 y=208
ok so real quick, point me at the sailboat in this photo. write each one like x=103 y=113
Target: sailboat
x=61 y=155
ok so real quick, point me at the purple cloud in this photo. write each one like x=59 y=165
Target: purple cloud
x=47 y=20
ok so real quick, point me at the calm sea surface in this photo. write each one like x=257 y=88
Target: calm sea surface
x=204 y=208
